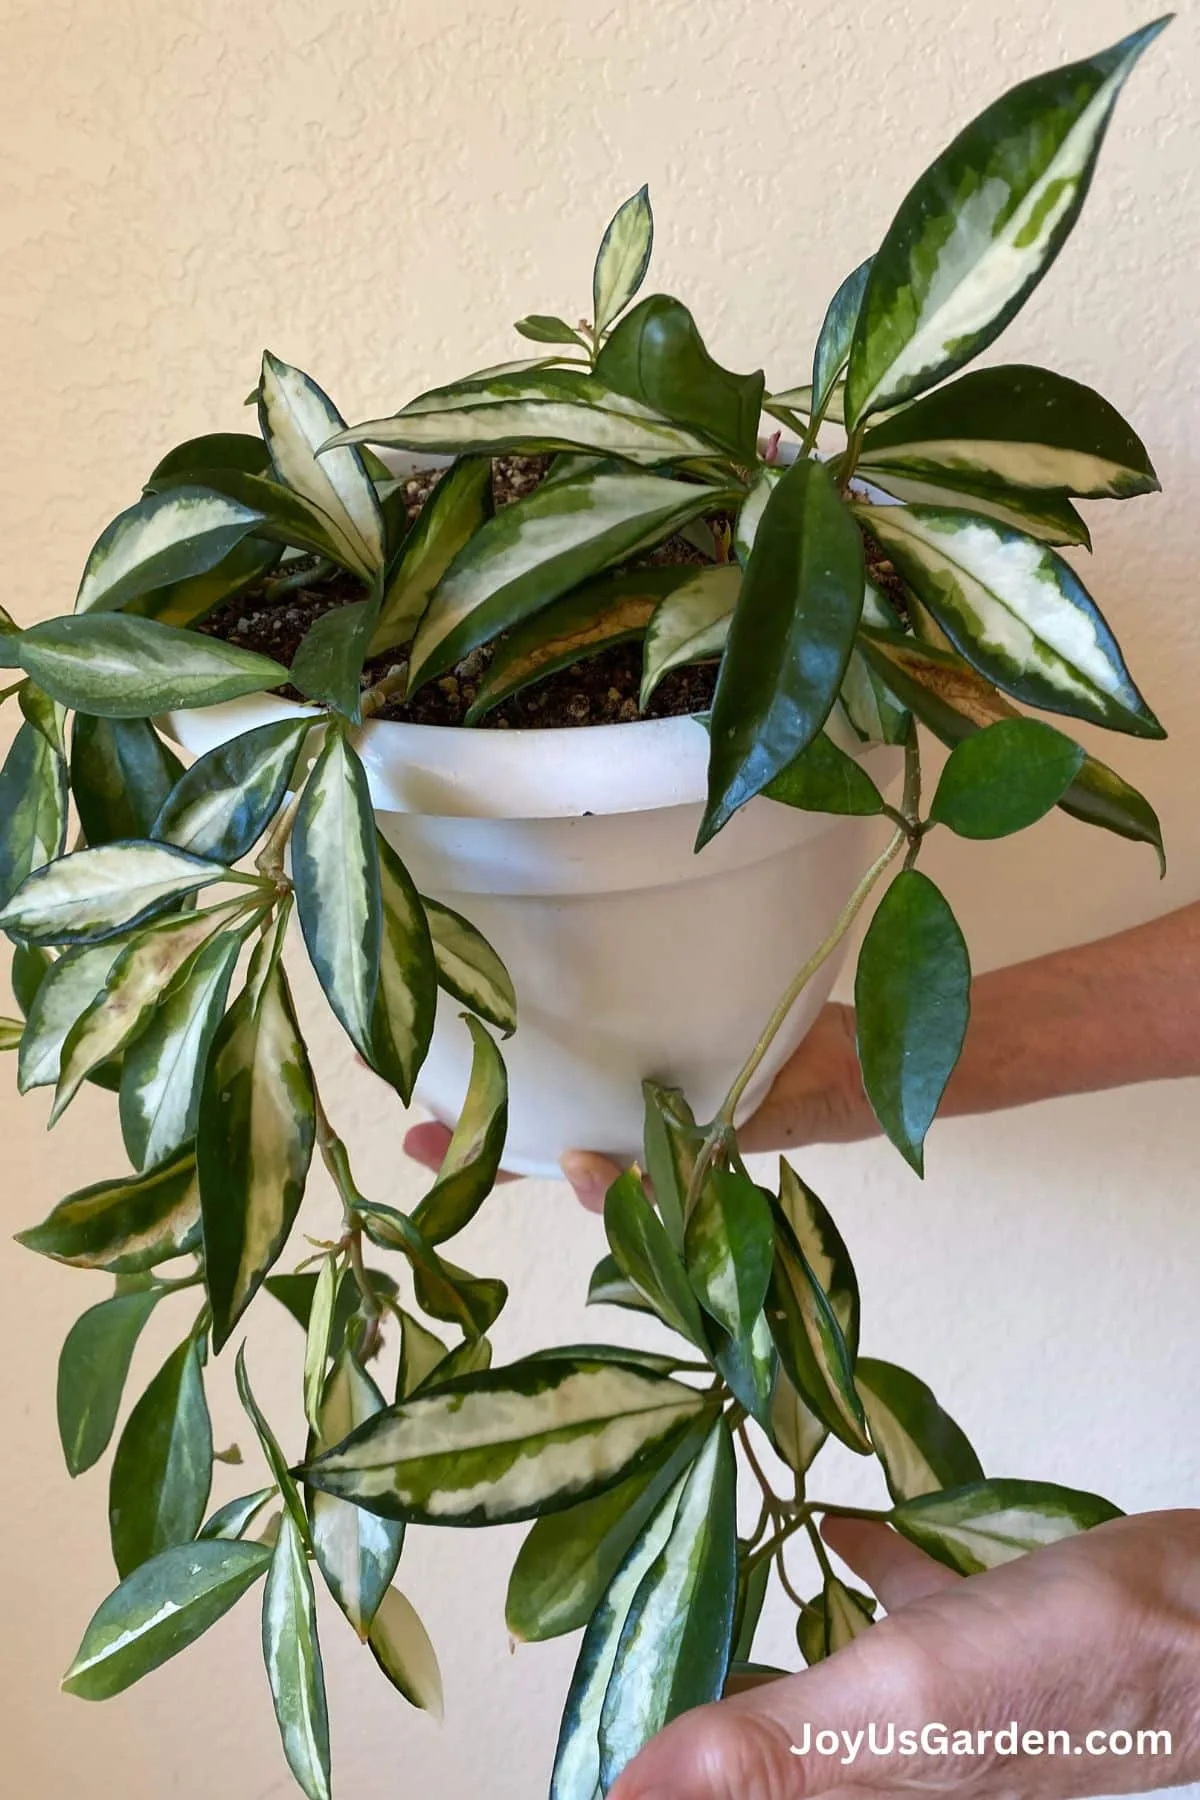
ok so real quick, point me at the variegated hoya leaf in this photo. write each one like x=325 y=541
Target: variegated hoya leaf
x=289 y=1493
x=1042 y=513
x=443 y=1291
x=824 y=1250
x=547 y=328
x=470 y=1357
x=458 y=506
x=472 y=1160
x=766 y=479
x=297 y=419
x=671 y=1141
x=469 y=969
x=836 y=335
x=317 y=1336
x=623 y=258
x=400 y=1645
x=919 y=1445
x=405 y=1006
x=288 y=518
x=93 y=894
x=583 y=623
x=292 y=1655
x=357 y=1551
x=730 y=1250
x=420 y=1354
x=162 y=1470
x=795 y=1429
x=45 y=715
x=509 y=1443
x=986 y=1523
x=162 y=539
x=235 y=1518
x=221 y=806
x=812 y=1346
x=125 y=668
x=690 y=622
x=126 y=1225
x=335 y=870
x=33 y=810
x=65 y=992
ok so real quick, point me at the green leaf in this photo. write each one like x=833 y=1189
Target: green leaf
x=162 y=1471
x=405 y=1007
x=297 y=418
x=163 y=1068
x=675 y=1644
x=540 y=547
x=919 y=1445
x=221 y=806
x=289 y=1493
x=443 y=1290
x=657 y=356
x=535 y=409
x=126 y=1225
x=1004 y=778
x=569 y=1558
x=671 y=1140
x=469 y=969
x=647 y=1258
x=752 y=1592
x=400 y=1645
x=162 y=539
x=92 y=1368
x=29 y=969
x=33 y=811
x=824 y=779
x=335 y=869
x=458 y=506
x=622 y=259
x=546 y=328
x=66 y=990
x=795 y=1429
x=327 y=667
x=747 y=1365
x=235 y=1518
x=984 y=1524
x=1041 y=513
x=292 y=1654
x=214 y=450
x=912 y=999
x=610 y=1287
x=44 y=714
x=357 y=1551
x=836 y=336
x=1015 y=426
x=187 y=602
x=509 y=1443
x=93 y=894
x=813 y=1348
x=161 y=1608
x=789 y=640
x=590 y=619
x=690 y=622
x=124 y=668
x=121 y=773
x=472 y=1160
x=420 y=1354
x=318 y=1334
x=11 y=1032
x=837 y=1616
x=254 y=1139
x=730 y=1250
x=978 y=230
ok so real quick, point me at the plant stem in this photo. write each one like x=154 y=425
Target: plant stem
x=336 y=1159
x=770 y=1498
x=773 y=1544
x=819 y=1550
x=374 y=699
x=785 y=1582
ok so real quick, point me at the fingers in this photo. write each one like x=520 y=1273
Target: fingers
x=817 y=1097
x=890 y=1566
x=590 y=1175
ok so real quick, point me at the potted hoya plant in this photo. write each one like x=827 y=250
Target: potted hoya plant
x=463 y=691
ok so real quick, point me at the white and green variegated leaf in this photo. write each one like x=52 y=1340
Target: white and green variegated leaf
x=292 y=1654
x=469 y=969
x=766 y=480
x=872 y=710
x=164 y=538
x=159 y=1610
x=835 y=337
x=235 y=1518
x=824 y=1250
x=674 y=1647
x=405 y=1006
x=747 y=1364
x=812 y=1346
x=400 y=1645
x=978 y=230
x=610 y=1286
x=33 y=808
x=94 y=894
x=443 y=1291
x=918 y=1443
x=317 y=1336
x=162 y=1070
x=120 y=667
x=796 y=1431
x=126 y=1225
x=472 y=1160
x=134 y=991
x=421 y=1351
x=800 y=400
x=254 y=1138
x=335 y=870
x=470 y=1357
x=730 y=1249
x=623 y=258
x=984 y=1524
x=220 y=807
x=577 y=1760
x=847 y=1615
x=459 y=504
x=690 y=623
x=538 y=409
x=65 y=992
x=542 y=546
x=509 y=1443
x=92 y=1368
x=579 y=625
x=1039 y=512
x=357 y=1551
x=1016 y=611
x=297 y=419
x=1014 y=426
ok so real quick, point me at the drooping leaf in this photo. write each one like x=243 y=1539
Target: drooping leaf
x=730 y=1250
x=508 y=1443
x=789 y=640
x=221 y=806
x=533 y=551
x=443 y=1290
x=92 y=1368
x=317 y=1336
x=469 y=969
x=289 y=1493
x=984 y=1524
x=65 y=992
x=812 y=1345
x=292 y=1654
x=33 y=811
x=610 y=1286
x=297 y=418
x=675 y=1644
x=1004 y=778
x=546 y=328
x=235 y=1518
x=671 y=1140
x=405 y=1006
x=836 y=335
x=357 y=1551
x=187 y=602
x=120 y=667
x=622 y=259
x=912 y=1000
x=400 y=1645
x=657 y=356
x=690 y=622
x=126 y=1225
x=121 y=773
x=590 y=619
x=420 y=1354
x=919 y=1445
x=160 y=1609
x=824 y=779
x=824 y=1251
x=335 y=870
x=647 y=1258
x=458 y=506
x=214 y=450
x=978 y=230
x=254 y=1139
x=1041 y=513
x=472 y=1160
x=796 y=1431
x=162 y=1471
x=162 y=539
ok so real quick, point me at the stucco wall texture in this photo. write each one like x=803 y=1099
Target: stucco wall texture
x=375 y=191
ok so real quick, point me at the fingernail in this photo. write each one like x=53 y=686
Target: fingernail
x=589 y=1182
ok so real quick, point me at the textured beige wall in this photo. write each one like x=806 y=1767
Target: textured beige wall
x=374 y=191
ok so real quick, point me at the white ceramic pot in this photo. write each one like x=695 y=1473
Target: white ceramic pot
x=571 y=850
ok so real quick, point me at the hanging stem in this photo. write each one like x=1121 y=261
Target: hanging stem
x=819 y=1550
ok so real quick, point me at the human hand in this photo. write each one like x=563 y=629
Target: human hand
x=817 y=1098
x=1097 y=1633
